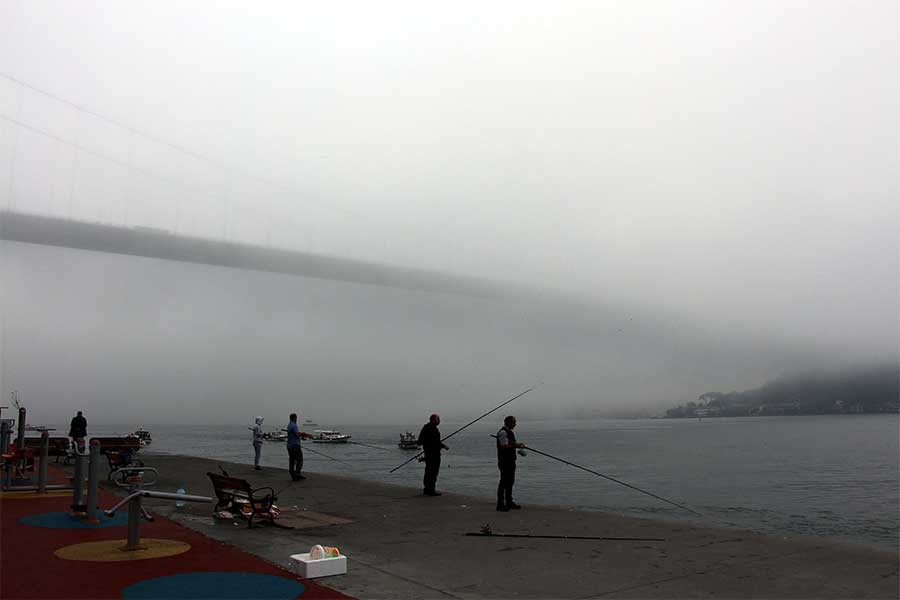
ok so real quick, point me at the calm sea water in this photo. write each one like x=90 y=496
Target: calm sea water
x=834 y=476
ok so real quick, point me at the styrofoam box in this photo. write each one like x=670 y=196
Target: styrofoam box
x=304 y=567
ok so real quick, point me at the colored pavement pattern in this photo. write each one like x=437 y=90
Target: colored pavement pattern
x=45 y=553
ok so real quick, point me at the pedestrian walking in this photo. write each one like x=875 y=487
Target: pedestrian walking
x=78 y=430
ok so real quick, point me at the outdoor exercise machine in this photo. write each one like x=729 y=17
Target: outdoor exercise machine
x=133 y=479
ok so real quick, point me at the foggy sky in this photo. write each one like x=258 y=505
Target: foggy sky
x=728 y=172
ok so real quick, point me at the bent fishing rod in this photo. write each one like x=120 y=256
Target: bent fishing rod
x=613 y=479
x=467 y=424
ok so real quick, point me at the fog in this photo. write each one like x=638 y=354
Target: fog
x=682 y=197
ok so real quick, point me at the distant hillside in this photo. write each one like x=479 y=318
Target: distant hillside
x=872 y=390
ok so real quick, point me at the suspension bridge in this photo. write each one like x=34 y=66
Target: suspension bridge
x=72 y=177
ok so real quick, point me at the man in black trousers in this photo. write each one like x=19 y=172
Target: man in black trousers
x=430 y=440
x=506 y=461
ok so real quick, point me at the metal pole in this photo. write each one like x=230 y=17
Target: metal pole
x=20 y=439
x=78 y=480
x=45 y=452
x=5 y=435
x=134 y=520
x=93 y=480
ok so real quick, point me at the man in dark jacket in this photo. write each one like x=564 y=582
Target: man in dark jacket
x=430 y=440
x=506 y=461
x=78 y=430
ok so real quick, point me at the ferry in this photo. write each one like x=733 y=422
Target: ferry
x=408 y=441
x=329 y=436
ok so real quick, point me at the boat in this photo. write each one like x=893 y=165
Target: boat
x=143 y=435
x=275 y=436
x=408 y=441
x=309 y=423
x=329 y=436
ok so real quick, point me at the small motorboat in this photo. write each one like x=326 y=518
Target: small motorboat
x=275 y=436
x=143 y=435
x=408 y=441
x=329 y=436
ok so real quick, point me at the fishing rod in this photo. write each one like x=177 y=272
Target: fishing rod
x=369 y=446
x=326 y=456
x=628 y=485
x=322 y=453
x=466 y=425
x=563 y=537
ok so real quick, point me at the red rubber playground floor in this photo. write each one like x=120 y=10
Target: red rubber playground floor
x=45 y=553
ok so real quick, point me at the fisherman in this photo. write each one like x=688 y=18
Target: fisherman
x=430 y=440
x=258 y=437
x=78 y=430
x=506 y=461
x=295 y=453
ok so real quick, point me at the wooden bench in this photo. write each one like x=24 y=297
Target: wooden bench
x=121 y=458
x=236 y=496
x=119 y=452
x=117 y=444
x=59 y=446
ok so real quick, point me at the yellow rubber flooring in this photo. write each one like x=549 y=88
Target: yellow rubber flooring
x=34 y=495
x=111 y=550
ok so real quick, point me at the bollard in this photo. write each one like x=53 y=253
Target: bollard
x=45 y=452
x=78 y=482
x=93 y=481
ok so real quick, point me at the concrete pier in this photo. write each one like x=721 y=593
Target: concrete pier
x=400 y=544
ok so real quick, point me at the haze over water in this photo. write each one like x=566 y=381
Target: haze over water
x=698 y=197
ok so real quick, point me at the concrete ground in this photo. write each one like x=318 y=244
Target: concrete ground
x=403 y=545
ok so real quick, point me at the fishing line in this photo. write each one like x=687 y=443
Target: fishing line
x=370 y=446
x=613 y=479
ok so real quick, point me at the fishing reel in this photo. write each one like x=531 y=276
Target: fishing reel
x=521 y=452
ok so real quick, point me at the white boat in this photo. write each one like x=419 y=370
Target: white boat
x=329 y=436
x=275 y=436
x=143 y=435
x=408 y=441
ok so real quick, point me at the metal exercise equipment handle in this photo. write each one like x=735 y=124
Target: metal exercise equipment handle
x=151 y=494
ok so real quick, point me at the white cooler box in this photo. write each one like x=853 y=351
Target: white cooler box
x=304 y=567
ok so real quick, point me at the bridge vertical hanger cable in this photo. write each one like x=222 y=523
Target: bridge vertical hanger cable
x=76 y=162
x=15 y=150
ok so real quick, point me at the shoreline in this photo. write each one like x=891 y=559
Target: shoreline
x=401 y=544
x=677 y=518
